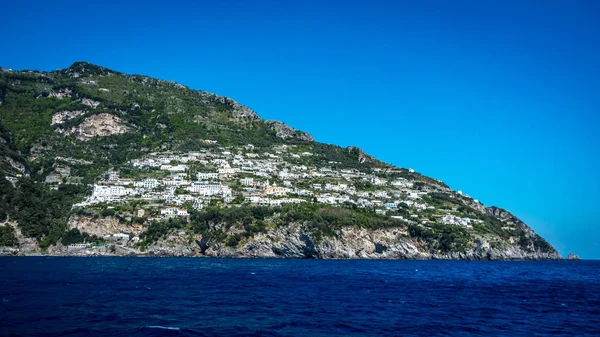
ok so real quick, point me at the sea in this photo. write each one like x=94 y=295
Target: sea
x=106 y=296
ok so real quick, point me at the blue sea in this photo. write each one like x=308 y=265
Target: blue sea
x=68 y=296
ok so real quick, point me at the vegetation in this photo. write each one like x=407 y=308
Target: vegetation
x=41 y=212
x=7 y=237
x=75 y=236
x=159 y=229
x=442 y=238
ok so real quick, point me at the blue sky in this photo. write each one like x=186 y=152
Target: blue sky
x=499 y=99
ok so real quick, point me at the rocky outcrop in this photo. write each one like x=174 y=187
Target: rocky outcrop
x=357 y=243
x=241 y=111
x=572 y=256
x=505 y=252
x=292 y=241
x=177 y=243
x=284 y=131
x=362 y=156
x=498 y=212
x=295 y=241
x=91 y=103
x=63 y=116
x=101 y=125
x=84 y=69
x=26 y=246
x=238 y=110
x=102 y=226
x=60 y=93
x=11 y=162
x=18 y=166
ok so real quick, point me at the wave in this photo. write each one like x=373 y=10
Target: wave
x=161 y=327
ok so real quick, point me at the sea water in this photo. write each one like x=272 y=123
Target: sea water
x=99 y=296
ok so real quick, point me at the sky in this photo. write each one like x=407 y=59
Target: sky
x=499 y=99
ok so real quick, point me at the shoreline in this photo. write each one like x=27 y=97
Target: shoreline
x=286 y=257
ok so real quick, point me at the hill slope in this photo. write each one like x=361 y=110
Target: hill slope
x=137 y=165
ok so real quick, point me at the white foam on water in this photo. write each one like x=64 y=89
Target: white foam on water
x=161 y=327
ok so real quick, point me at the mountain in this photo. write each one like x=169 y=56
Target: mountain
x=98 y=162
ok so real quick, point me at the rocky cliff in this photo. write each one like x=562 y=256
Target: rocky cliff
x=101 y=125
x=25 y=245
x=284 y=131
x=295 y=241
x=292 y=241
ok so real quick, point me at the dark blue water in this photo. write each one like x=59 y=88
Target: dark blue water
x=264 y=297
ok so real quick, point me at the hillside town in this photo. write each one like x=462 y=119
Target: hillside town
x=169 y=184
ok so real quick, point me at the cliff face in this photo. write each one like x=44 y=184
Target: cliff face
x=11 y=162
x=101 y=125
x=292 y=241
x=284 y=131
x=349 y=243
x=25 y=246
x=101 y=226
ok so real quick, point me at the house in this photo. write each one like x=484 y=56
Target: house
x=174 y=168
x=79 y=245
x=408 y=202
x=206 y=188
x=149 y=183
x=402 y=183
x=302 y=192
x=173 y=211
x=247 y=182
x=275 y=190
x=226 y=171
x=106 y=193
x=207 y=175
x=122 y=235
x=113 y=175
x=125 y=182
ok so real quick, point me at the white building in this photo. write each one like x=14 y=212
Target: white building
x=174 y=168
x=150 y=183
x=173 y=211
x=377 y=181
x=413 y=195
x=209 y=188
x=207 y=175
x=402 y=183
x=113 y=175
x=102 y=192
x=247 y=182
x=226 y=170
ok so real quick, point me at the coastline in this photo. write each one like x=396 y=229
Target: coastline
x=458 y=256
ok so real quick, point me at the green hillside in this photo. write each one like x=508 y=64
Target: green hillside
x=63 y=132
